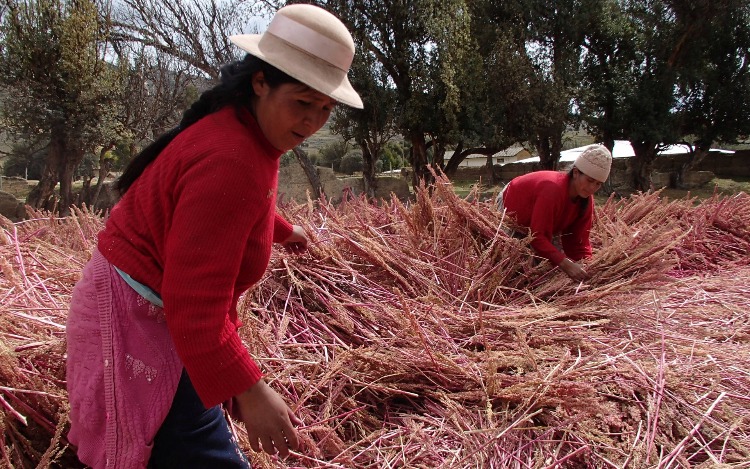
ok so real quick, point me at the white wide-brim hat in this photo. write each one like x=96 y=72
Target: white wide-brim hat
x=310 y=44
x=595 y=162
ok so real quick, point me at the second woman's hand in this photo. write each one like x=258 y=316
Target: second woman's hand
x=296 y=243
x=268 y=420
x=573 y=270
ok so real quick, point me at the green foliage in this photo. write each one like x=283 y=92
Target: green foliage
x=52 y=62
x=714 y=83
x=656 y=72
x=411 y=69
x=121 y=154
x=25 y=160
x=332 y=154
x=60 y=88
x=440 y=73
x=351 y=162
x=287 y=159
x=503 y=110
x=88 y=167
x=391 y=156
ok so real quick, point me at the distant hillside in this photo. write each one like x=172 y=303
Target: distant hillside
x=320 y=139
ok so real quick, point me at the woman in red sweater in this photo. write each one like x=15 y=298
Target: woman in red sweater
x=153 y=347
x=552 y=204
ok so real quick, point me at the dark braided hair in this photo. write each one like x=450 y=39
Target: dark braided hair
x=235 y=89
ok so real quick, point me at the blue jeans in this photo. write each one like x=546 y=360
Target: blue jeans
x=195 y=437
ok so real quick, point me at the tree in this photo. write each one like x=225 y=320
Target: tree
x=332 y=153
x=554 y=37
x=193 y=32
x=156 y=89
x=497 y=109
x=631 y=81
x=351 y=162
x=60 y=86
x=26 y=159
x=196 y=34
x=636 y=67
x=413 y=42
x=714 y=85
x=372 y=127
x=609 y=53
x=650 y=121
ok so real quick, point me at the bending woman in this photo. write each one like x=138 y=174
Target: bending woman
x=552 y=204
x=152 y=333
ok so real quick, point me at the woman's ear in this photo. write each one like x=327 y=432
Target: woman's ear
x=260 y=86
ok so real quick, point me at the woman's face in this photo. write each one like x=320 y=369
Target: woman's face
x=584 y=186
x=289 y=113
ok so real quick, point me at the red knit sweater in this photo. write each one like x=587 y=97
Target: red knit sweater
x=197 y=227
x=540 y=202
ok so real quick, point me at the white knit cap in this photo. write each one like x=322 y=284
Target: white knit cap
x=595 y=162
x=310 y=44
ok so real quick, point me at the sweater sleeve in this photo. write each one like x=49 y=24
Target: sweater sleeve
x=543 y=223
x=282 y=229
x=576 y=242
x=217 y=207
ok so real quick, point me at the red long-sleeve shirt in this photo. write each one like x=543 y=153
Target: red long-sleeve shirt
x=541 y=202
x=197 y=227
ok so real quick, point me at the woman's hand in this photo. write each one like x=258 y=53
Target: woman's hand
x=574 y=271
x=296 y=243
x=269 y=421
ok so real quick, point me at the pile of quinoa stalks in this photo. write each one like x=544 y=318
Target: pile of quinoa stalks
x=421 y=335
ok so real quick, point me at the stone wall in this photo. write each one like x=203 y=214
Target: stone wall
x=11 y=207
x=293 y=185
x=472 y=174
x=293 y=182
x=733 y=165
x=14 y=185
x=666 y=167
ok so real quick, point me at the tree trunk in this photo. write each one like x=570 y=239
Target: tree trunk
x=549 y=152
x=438 y=156
x=369 y=150
x=418 y=156
x=454 y=161
x=310 y=171
x=556 y=149
x=609 y=142
x=641 y=165
x=42 y=195
x=70 y=162
x=368 y=173
x=549 y=145
x=545 y=154
x=85 y=195
x=697 y=155
x=490 y=169
x=104 y=166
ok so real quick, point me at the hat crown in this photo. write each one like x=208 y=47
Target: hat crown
x=309 y=44
x=320 y=21
x=316 y=32
x=595 y=162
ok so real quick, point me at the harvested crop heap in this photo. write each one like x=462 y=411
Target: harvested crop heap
x=422 y=336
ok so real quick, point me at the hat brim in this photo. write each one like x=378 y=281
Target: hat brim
x=310 y=70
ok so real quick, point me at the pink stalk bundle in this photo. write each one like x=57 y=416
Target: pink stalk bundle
x=421 y=335
x=41 y=259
